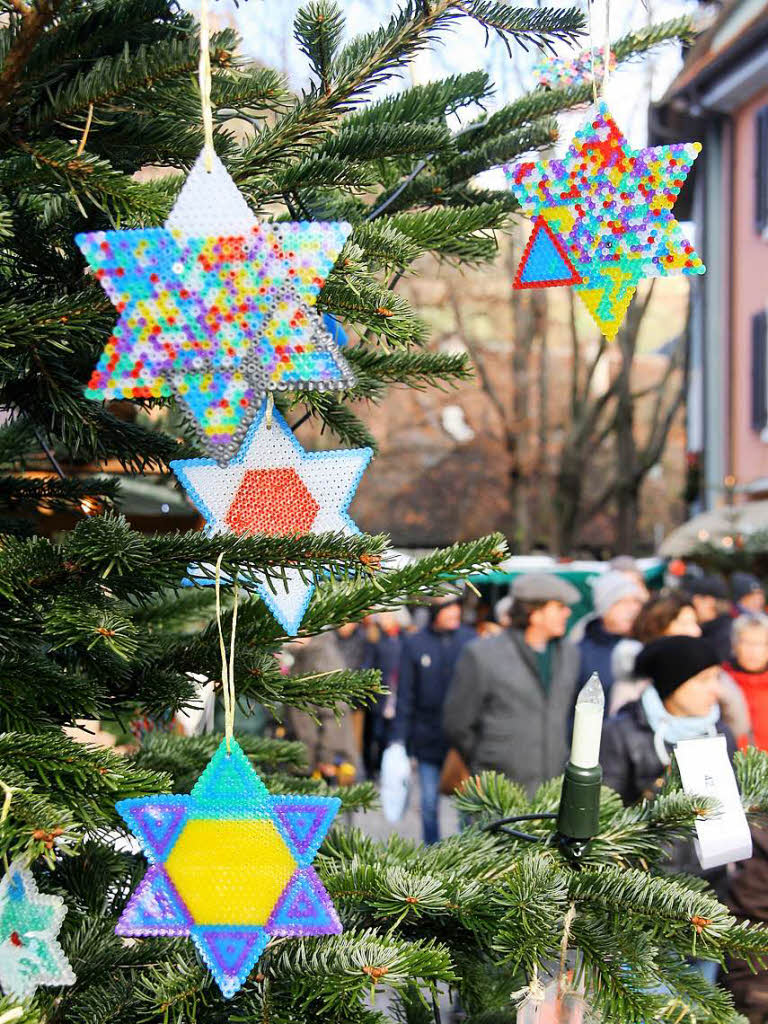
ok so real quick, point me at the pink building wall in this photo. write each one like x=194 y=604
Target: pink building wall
x=750 y=296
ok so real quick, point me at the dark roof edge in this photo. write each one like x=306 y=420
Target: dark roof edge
x=689 y=83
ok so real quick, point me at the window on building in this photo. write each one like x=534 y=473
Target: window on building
x=760 y=371
x=761 y=171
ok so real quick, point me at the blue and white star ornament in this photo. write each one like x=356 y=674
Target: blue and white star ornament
x=273 y=486
x=230 y=867
x=30 y=921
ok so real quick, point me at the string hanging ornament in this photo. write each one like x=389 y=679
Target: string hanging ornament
x=30 y=922
x=602 y=215
x=230 y=865
x=215 y=307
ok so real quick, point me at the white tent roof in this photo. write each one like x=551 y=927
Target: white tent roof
x=718 y=526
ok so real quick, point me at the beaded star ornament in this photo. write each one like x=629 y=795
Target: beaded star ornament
x=30 y=921
x=554 y=72
x=603 y=217
x=216 y=308
x=230 y=866
x=274 y=486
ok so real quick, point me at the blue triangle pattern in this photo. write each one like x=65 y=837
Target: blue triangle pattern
x=303 y=822
x=156 y=822
x=228 y=773
x=544 y=262
x=230 y=953
x=304 y=908
x=155 y=908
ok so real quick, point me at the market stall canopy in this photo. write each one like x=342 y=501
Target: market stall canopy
x=719 y=526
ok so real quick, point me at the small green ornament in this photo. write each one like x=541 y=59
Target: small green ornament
x=30 y=954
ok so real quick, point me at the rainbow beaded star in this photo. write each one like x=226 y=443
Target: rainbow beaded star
x=273 y=486
x=609 y=208
x=555 y=72
x=230 y=866
x=30 y=954
x=216 y=308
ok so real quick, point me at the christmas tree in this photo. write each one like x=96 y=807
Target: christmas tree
x=95 y=624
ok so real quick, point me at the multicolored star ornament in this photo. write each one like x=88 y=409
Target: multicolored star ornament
x=274 y=486
x=30 y=954
x=230 y=866
x=553 y=72
x=216 y=308
x=603 y=217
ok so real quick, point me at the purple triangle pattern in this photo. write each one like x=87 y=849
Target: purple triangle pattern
x=155 y=908
x=304 y=822
x=156 y=823
x=230 y=953
x=304 y=908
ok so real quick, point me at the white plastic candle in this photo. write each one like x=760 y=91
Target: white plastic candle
x=588 y=724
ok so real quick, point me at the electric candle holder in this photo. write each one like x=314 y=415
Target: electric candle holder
x=579 y=813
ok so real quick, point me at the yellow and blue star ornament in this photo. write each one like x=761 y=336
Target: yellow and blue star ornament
x=230 y=866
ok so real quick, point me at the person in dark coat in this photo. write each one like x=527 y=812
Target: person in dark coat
x=709 y=597
x=383 y=651
x=618 y=600
x=330 y=742
x=681 y=704
x=426 y=667
x=510 y=700
x=748 y=594
x=748 y=900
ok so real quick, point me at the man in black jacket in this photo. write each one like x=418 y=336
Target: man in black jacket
x=426 y=667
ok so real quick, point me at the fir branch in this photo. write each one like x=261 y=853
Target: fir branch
x=425 y=102
x=414 y=369
x=318 y=29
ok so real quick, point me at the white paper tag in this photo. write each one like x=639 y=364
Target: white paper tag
x=705 y=770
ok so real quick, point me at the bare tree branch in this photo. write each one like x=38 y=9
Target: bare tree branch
x=33 y=21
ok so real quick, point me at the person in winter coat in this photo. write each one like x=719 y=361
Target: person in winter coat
x=748 y=901
x=749 y=669
x=618 y=600
x=510 y=700
x=426 y=666
x=681 y=703
x=383 y=651
x=331 y=745
x=670 y=614
x=637 y=744
x=709 y=597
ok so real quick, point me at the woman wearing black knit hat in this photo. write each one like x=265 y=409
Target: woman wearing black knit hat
x=680 y=705
x=638 y=742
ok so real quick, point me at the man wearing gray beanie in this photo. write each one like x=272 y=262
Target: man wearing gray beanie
x=617 y=600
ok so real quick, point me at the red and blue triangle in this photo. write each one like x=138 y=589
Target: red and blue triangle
x=230 y=952
x=304 y=908
x=545 y=262
x=155 y=908
x=304 y=822
x=156 y=822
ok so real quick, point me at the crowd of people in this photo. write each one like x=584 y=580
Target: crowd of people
x=499 y=695
x=680 y=664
